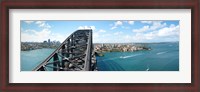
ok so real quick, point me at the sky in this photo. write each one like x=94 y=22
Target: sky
x=104 y=31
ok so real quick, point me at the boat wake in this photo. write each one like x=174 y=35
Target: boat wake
x=130 y=56
x=147 y=68
x=161 y=52
x=110 y=59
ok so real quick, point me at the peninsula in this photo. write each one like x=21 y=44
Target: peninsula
x=99 y=49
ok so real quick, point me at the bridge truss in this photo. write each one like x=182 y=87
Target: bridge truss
x=74 y=54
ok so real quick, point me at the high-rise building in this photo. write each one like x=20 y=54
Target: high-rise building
x=49 y=41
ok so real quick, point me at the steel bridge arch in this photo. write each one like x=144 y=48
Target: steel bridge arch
x=74 y=54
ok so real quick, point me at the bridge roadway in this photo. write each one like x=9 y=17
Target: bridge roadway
x=74 y=54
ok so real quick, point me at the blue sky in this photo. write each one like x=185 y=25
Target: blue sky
x=105 y=31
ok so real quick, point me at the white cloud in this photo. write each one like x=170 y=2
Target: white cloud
x=43 y=33
x=96 y=37
x=128 y=38
x=80 y=27
x=150 y=35
x=40 y=36
x=28 y=22
x=87 y=27
x=157 y=25
x=42 y=24
x=154 y=26
x=138 y=37
x=106 y=35
x=93 y=27
x=131 y=22
x=99 y=36
x=146 y=22
x=143 y=29
x=118 y=33
x=120 y=23
x=113 y=27
x=169 y=31
x=102 y=31
x=116 y=24
x=39 y=22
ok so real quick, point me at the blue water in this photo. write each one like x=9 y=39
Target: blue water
x=162 y=57
x=30 y=59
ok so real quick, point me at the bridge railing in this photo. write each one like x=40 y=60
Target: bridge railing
x=88 y=53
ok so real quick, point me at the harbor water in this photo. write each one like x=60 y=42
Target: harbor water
x=161 y=57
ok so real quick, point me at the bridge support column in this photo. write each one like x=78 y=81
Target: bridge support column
x=55 y=64
x=63 y=54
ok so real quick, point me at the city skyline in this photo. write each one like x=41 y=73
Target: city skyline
x=108 y=31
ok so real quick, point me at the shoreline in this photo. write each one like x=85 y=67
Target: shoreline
x=100 y=49
x=36 y=49
x=101 y=54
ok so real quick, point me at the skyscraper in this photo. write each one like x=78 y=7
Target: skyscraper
x=49 y=41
